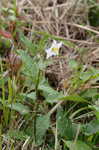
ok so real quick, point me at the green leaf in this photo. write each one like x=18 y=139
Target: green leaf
x=96 y=109
x=30 y=66
x=92 y=74
x=27 y=67
x=42 y=43
x=42 y=124
x=75 y=98
x=22 y=109
x=17 y=135
x=79 y=145
x=91 y=128
x=90 y=93
x=32 y=47
x=65 y=127
x=73 y=64
x=85 y=76
x=52 y=95
x=31 y=96
x=49 y=93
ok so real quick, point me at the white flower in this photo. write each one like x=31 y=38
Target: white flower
x=54 y=49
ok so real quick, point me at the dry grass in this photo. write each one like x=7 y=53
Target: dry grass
x=61 y=18
x=58 y=17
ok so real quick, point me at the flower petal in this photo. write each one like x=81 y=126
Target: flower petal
x=54 y=49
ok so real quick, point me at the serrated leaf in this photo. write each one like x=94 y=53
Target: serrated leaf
x=42 y=124
x=30 y=66
x=91 y=128
x=32 y=47
x=78 y=145
x=65 y=127
x=22 y=109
